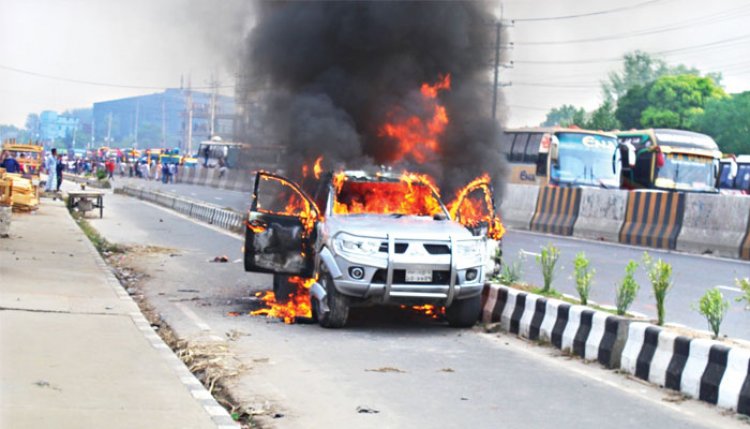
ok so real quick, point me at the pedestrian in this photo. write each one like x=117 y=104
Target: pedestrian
x=59 y=171
x=50 y=165
x=164 y=173
x=206 y=152
x=222 y=167
x=9 y=163
x=109 y=165
x=172 y=172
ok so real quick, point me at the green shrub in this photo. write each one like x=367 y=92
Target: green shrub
x=713 y=307
x=660 y=275
x=511 y=273
x=101 y=174
x=626 y=291
x=744 y=285
x=547 y=261
x=583 y=276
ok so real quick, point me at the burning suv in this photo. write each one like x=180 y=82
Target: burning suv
x=366 y=240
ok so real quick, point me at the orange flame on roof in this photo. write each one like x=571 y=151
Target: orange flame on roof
x=412 y=194
x=297 y=306
x=415 y=136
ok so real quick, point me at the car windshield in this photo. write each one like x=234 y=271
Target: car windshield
x=386 y=197
x=686 y=172
x=587 y=159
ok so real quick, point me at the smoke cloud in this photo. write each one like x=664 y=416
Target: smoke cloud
x=339 y=70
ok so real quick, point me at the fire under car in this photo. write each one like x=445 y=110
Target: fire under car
x=374 y=240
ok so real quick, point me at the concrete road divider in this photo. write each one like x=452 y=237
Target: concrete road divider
x=653 y=219
x=519 y=202
x=745 y=245
x=592 y=335
x=556 y=210
x=700 y=368
x=209 y=213
x=714 y=224
x=601 y=214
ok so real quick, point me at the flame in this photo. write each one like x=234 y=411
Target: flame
x=296 y=205
x=472 y=210
x=298 y=304
x=317 y=168
x=428 y=310
x=412 y=194
x=415 y=136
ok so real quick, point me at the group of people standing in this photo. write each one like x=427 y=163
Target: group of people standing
x=54 y=167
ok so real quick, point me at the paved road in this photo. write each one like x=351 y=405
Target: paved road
x=414 y=371
x=693 y=274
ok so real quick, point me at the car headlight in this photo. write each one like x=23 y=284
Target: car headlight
x=469 y=250
x=346 y=243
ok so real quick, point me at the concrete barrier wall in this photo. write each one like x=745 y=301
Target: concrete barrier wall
x=653 y=219
x=714 y=224
x=556 y=210
x=601 y=214
x=518 y=205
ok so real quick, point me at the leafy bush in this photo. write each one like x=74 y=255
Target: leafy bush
x=512 y=273
x=547 y=260
x=101 y=174
x=744 y=285
x=583 y=276
x=714 y=307
x=626 y=291
x=660 y=275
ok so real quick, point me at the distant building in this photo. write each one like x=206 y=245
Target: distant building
x=160 y=119
x=54 y=127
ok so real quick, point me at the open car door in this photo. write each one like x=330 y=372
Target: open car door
x=474 y=208
x=280 y=233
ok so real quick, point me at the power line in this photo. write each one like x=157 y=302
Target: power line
x=706 y=20
x=583 y=15
x=618 y=59
x=92 y=83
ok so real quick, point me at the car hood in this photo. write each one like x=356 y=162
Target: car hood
x=405 y=227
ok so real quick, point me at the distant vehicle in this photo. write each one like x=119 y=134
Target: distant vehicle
x=29 y=156
x=217 y=148
x=670 y=160
x=562 y=157
x=734 y=175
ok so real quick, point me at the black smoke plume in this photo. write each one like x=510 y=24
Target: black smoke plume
x=337 y=70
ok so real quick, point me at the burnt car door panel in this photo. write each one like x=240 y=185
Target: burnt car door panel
x=474 y=208
x=279 y=237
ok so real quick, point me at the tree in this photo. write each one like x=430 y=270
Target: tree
x=603 y=118
x=727 y=120
x=676 y=101
x=639 y=69
x=565 y=116
x=631 y=105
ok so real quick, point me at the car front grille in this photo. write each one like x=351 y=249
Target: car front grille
x=439 y=277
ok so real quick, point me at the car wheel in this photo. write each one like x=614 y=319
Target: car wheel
x=464 y=313
x=338 y=305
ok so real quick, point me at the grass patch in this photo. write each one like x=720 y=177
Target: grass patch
x=102 y=245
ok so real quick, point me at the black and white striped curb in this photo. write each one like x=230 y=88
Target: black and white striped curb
x=218 y=414
x=700 y=368
x=592 y=335
x=209 y=213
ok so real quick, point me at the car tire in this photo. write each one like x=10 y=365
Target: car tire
x=338 y=305
x=464 y=313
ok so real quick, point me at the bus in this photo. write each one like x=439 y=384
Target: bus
x=670 y=160
x=734 y=175
x=217 y=149
x=568 y=157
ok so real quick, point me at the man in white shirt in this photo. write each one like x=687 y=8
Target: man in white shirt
x=50 y=164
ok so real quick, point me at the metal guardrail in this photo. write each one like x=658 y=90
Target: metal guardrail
x=209 y=213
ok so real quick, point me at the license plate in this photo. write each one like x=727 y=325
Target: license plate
x=421 y=276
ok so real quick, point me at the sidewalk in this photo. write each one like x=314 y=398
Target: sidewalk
x=75 y=351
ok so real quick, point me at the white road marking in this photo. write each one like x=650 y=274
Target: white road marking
x=218 y=198
x=197 y=222
x=731 y=288
x=525 y=252
x=192 y=316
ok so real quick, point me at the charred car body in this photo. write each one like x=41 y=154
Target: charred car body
x=371 y=240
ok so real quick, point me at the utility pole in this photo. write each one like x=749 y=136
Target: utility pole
x=498 y=26
x=163 y=121
x=189 y=124
x=137 y=114
x=93 y=132
x=109 y=129
x=214 y=94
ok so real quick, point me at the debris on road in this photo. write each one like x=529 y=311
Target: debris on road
x=385 y=369
x=366 y=410
x=222 y=258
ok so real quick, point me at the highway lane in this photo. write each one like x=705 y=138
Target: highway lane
x=409 y=370
x=693 y=274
